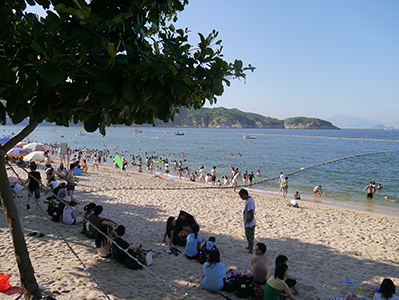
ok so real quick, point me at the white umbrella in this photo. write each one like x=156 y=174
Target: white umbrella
x=36 y=156
x=35 y=147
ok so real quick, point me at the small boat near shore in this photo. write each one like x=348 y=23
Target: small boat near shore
x=178 y=133
x=137 y=131
x=249 y=136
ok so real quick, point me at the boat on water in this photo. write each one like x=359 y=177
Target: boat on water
x=178 y=133
x=137 y=131
x=250 y=136
x=80 y=134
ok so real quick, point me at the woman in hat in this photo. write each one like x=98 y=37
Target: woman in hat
x=70 y=215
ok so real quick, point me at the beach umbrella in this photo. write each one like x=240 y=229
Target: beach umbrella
x=34 y=147
x=4 y=139
x=17 y=152
x=18 y=146
x=36 y=156
x=21 y=144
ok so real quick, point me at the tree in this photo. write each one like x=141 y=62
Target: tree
x=100 y=62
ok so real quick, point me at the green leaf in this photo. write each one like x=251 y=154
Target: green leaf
x=127 y=91
x=28 y=87
x=173 y=69
x=105 y=86
x=92 y=123
x=31 y=2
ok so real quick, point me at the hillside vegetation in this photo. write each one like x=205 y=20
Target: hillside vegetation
x=221 y=117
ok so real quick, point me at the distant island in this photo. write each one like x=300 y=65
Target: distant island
x=221 y=117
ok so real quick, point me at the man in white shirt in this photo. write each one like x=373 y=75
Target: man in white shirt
x=249 y=218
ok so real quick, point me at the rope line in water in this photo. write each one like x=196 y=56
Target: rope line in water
x=98 y=231
x=325 y=163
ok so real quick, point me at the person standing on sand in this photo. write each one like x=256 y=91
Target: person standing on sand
x=370 y=190
x=284 y=186
x=70 y=179
x=249 y=218
x=213 y=175
x=282 y=177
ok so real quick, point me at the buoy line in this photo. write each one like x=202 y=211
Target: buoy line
x=324 y=163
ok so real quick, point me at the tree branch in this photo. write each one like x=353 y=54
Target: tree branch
x=20 y=136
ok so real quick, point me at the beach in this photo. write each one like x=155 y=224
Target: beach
x=325 y=245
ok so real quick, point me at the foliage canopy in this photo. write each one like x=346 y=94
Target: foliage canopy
x=105 y=62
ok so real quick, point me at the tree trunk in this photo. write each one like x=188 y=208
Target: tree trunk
x=28 y=281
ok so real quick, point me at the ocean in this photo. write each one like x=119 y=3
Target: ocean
x=273 y=151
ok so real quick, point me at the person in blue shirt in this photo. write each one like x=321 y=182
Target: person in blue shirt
x=193 y=244
x=213 y=272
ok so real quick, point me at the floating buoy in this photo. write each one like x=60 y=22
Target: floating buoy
x=130 y=187
x=218 y=150
x=310 y=143
x=270 y=146
x=285 y=137
x=182 y=152
x=247 y=148
x=362 y=141
x=340 y=142
x=231 y=154
x=114 y=188
x=91 y=190
x=98 y=189
x=292 y=145
x=105 y=189
x=123 y=188
x=326 y=143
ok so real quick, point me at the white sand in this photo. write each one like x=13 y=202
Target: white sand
x=325 y=245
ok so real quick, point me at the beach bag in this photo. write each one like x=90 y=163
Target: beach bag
x=244 y=286
x=230 y=285
x=258 y=291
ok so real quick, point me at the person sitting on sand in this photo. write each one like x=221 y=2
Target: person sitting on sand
x=290 y=279
x=213 y=272
x=102 y=243
x=260 y=263
x=172 y=233
x=120 y=255
x=297 y=196
x=193 y=245
x=386 y=291
x=181 y=227
x=99 y=222
x=88 y=209
x=275 y=284
x=70 y=215
x=317 y=190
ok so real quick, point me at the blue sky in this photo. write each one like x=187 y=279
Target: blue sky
x=313 y=58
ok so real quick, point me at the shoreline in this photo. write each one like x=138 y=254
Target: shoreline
x=305 y=198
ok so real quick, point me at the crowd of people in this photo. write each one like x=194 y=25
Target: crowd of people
x=276 y=279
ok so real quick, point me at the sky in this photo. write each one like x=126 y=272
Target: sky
x=313 y=58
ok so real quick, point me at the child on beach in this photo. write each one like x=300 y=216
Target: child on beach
x=34 y=180
x=193 y=245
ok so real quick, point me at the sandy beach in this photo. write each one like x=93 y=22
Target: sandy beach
x=325 y=245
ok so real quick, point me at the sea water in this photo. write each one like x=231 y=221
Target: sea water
x=273 y=151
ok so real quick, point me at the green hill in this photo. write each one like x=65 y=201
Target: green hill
x=221 y=117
